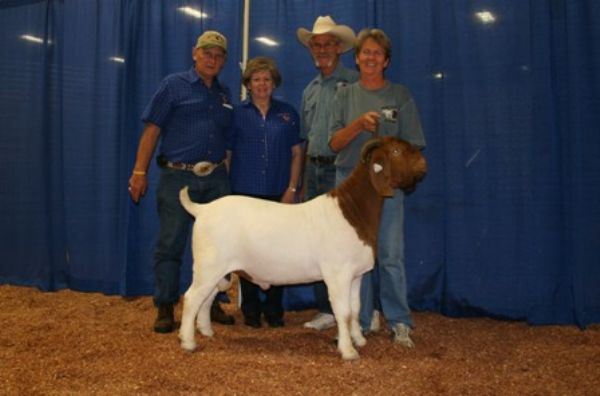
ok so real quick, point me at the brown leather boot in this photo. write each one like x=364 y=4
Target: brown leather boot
x=165 y=322
x=218 y=315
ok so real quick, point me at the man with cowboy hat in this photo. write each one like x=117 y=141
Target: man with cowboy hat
x=326 y=42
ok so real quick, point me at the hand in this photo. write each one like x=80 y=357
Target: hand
x=137 y=187
x=301 y=195
x=369 y=121
x=289 y=196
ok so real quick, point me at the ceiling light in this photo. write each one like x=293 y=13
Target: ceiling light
x=267 y=41
x=117 y=59
x=486 y=17
x=33 y=39
x=192 y=12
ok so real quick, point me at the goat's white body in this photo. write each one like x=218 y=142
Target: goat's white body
x=276 y=244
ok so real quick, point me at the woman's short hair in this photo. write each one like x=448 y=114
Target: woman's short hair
x=380 y=38
x=261 y=63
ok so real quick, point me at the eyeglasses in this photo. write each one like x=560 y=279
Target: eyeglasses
x=216 y=56
x=326 y=45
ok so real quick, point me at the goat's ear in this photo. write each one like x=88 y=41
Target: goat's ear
x=369 y=146
x=379 y=172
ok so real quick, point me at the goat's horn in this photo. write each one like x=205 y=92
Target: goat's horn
x=367 y=148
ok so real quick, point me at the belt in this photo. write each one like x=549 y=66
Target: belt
x=321 y=160
x=202 y=168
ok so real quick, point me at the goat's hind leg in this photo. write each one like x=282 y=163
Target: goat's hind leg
x=203 y=322
x=194 y=298
x=191 y=304
x=203 y=319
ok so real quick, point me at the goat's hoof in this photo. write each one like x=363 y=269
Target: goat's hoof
x=360 y=341
x=189 y=346
x=207 y=332
x=351 y=355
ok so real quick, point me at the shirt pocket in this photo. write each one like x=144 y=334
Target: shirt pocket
x=310 y=107
x=189 y=108
x=224 y=115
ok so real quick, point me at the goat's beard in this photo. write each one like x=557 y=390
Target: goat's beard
x=328 y=65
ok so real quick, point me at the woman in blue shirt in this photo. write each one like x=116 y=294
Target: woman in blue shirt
x=266 y=161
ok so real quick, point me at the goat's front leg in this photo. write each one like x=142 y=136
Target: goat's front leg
x=339 y=297
x=355 y=330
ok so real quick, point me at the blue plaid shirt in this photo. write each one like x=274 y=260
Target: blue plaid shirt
x=193 y=118
x=262 y=148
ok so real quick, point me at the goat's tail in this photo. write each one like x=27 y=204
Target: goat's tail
x=187 y=203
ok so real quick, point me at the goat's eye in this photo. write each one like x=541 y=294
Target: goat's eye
x=395 y=152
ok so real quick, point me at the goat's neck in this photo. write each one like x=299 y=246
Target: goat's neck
x=361 y=205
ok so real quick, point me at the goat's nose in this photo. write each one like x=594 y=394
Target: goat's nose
x=421 y=165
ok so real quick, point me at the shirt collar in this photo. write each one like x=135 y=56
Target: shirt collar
x=246 y=102
x=275 y=104
x=192 y=76
x=336 y=75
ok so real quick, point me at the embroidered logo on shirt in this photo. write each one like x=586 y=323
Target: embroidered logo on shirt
x=285 y=116
x=224 y=99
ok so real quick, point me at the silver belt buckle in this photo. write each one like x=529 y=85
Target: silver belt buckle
x=203 y=168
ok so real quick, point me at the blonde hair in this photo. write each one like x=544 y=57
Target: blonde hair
x=261 y=63
x=380 y=38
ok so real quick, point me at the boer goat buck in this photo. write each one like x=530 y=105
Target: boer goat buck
x=333 y=238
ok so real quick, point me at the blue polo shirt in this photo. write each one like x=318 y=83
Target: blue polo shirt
x=193 y=118
x=262 y=148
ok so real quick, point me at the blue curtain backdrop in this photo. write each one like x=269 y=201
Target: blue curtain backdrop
x=507 y=223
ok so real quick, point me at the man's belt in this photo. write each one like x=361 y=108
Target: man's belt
x=202 y=168
x=321 y=160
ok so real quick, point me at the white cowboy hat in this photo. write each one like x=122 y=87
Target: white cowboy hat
x=324 y=25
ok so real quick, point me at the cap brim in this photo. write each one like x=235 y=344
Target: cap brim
x=209 y=46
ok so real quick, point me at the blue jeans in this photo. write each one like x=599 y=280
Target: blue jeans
x=319 y=179
x=175 y=224
x=385 y=285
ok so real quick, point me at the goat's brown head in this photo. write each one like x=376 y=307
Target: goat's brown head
x=393 y=163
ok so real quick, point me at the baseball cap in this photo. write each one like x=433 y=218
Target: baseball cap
x=212 y=38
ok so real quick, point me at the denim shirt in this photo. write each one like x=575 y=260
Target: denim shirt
x=316 y=105
x=193 y=118
x=262 y=148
